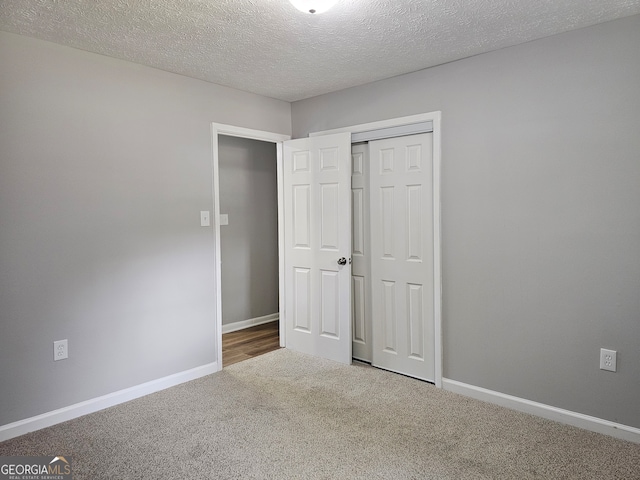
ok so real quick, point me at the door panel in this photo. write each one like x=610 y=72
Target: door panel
x=301 y=299
x=361 y=268
x=317 y=224
x=402 y=247
x=388 y=317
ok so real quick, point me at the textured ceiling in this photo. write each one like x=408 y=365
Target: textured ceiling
x=270 y=48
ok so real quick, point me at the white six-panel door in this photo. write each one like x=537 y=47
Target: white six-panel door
x=402 y=255
x=361 y=268
x=317 y=224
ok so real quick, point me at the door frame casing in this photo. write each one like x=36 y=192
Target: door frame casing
x=271 y=137
x=435 y=118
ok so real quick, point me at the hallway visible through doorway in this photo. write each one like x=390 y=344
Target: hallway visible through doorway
x=249 y=342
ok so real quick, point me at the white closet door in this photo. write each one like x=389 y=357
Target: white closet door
x=361 y=268
x=402 y=252
x=317 y=223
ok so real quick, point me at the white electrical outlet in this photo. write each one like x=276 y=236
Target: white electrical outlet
x=608 y=359
x=60 y=350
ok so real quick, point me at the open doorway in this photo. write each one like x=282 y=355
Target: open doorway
x=248 y=200
x=237 y=143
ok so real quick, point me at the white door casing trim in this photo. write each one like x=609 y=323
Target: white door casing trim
x=277 y=138
x=435 y=118
x=392 y=123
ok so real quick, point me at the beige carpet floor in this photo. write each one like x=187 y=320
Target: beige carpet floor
x=285 y=415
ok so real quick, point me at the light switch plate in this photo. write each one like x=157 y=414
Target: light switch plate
x=224 y=219
x=205 y=218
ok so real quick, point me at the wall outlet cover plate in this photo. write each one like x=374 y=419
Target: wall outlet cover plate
x=608 y=359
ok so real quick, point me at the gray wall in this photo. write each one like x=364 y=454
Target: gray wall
x=540 y=211
x=104 y=167
x=249 y=244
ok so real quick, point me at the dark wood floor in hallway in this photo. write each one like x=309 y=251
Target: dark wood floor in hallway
x=249 y=343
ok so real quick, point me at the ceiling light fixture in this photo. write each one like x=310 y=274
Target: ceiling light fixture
x=313 y=6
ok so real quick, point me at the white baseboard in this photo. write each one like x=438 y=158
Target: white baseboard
x=560 y=415
x=252 y=322
x=48 y=419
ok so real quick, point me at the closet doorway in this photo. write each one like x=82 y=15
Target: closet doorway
x=396 y=279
